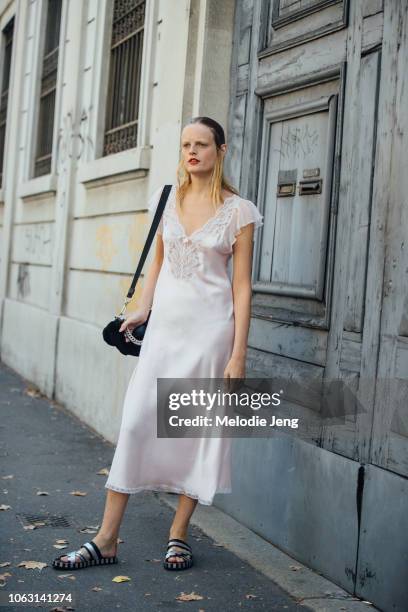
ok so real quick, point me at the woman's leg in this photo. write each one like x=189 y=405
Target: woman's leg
x=179 y=527
x=106 y=538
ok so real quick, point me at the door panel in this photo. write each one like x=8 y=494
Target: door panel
x=293 y=262
x=298 y=193
x=296 y=21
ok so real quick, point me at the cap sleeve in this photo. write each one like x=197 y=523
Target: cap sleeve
x=152 y=206
x=246 y=212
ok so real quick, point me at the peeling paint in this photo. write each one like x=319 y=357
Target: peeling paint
x=106 y=250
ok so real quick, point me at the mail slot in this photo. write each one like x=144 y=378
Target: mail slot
x=286 y=189
x=310 y=187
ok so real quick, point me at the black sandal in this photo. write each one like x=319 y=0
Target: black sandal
x=95 y=558
x=187 y=554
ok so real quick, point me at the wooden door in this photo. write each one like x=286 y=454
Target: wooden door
x=318 y=142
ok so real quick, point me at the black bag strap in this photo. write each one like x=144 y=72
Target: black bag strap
x=153 y=228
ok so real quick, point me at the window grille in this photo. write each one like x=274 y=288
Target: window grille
x=43 y=156
x=7 y=47
x=122 y=109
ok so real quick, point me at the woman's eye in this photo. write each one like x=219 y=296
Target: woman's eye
x=199 y=144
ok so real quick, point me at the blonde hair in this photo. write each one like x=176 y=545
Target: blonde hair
x=218 y=179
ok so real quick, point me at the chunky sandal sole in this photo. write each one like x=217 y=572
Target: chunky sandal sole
x=97 y=558
x=187 y=553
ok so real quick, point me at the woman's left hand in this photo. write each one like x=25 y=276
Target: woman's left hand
x=235 y=368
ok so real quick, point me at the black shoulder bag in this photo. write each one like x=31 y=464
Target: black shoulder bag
x=111 y=333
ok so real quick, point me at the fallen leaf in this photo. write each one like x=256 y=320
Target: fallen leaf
x=88 y=530
x=32 y=565
x=7 y=477
x=70 y=576
x=42 y=493
x=81 y=493
x=32 y=392
x=121 y=579
x=103 y=472
x=119 y=541
x=189 y=596
x=60 y=546
x=4 y=576
x=154 y=560
x=4 y=507
x=146 y=594
x=62 y=541
x=5 y=564
x=96 y=588
x=250 y=596
x=295 y=567
x=27 y=527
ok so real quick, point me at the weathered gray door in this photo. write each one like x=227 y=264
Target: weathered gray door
x=318 y=140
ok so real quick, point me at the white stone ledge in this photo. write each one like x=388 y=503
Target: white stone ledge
x=38 y=186
x=116 y=166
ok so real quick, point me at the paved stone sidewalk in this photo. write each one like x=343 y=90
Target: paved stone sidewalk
x=46 y=449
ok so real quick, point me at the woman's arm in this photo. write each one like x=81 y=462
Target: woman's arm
x=140 y=315
x=242 y=293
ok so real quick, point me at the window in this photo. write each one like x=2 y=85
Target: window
x=43 y=156
x=121 y=126
x=5 y=81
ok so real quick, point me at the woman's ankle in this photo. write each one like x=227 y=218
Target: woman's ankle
x=178 y=532
x=106 y=539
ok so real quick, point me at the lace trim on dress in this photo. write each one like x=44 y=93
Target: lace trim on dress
x=216 y=224
x=183 y=252
x=183 y=257
x=223 y=219
x=167 y=489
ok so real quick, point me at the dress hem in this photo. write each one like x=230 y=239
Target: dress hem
x=167 y=489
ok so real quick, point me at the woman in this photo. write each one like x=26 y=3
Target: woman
x=198 y=328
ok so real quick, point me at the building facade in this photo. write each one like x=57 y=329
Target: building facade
x=94 y=94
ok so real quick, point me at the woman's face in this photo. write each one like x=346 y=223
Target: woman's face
x=197 y=143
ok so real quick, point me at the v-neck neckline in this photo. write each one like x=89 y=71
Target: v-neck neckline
x=199 y=229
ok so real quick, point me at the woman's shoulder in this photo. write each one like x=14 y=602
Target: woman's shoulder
x=226 y=194
x=238 y=201
x=245 y=211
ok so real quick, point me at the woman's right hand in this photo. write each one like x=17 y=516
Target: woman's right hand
x=134 y=319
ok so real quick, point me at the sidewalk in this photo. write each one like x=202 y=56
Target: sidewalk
x=46 y=449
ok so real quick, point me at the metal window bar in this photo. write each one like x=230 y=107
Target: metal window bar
x=125 y=68
x=43 y=156
x=8 y=32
